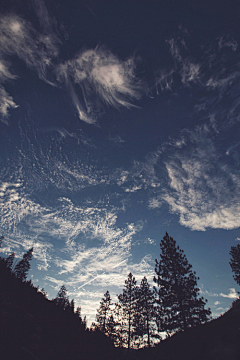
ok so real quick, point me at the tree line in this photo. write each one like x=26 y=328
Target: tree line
x=141 y=313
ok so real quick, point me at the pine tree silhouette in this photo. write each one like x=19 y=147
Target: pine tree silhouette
x=104 y=312
x=62 y=300
x=145 y=312
x=235 y=262
x=179 y=306
x=23 y=266
x=10 y=260
x=127 y=307
x=1 y=240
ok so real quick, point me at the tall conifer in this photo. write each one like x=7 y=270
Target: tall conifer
x=23 y=266
x=235 y=262
x=62 y=298
x=145 y=326
x=179 y=306
x=104 y=312
x=127 y=307
x=10 y=260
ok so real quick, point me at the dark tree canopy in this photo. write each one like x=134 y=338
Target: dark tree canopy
x=145 y=313
x=23 y=266
x=235 y=262
x=127 y=308
x=179 y=306
x=62 y=299
x=1 y=240
x=104 y=312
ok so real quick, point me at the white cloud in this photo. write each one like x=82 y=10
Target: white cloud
x=17 y=36
x=164 y=79
x=100 y=74
x=116 y=139
x=150 y=241
x=203 y=189
x=94 y=284
x=45 y=20
x=6 y=102
x=133 y=189
x=80 y=246
x=155 y=203
x=225 y=41
x=188 y=70
x=5 y=73
x=87 y=235
x=232 y=294
x=142 y=175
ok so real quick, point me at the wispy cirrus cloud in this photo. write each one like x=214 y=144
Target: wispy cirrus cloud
x=86 y=235
x=187 y=68
x=141 y=175
x=36 y=50
x=203 y=184
x=203 y=188
x=211 y=72
x=227 y=41
x=95 y=78
x=18 y=37
x=6 y=103
x=99 y=74
x=95 y=282
x=81 y=246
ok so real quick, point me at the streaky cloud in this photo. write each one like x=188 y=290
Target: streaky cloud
x=36 y=50
x=100 y=76
x=18 y=37
x=6 y=103
x=203 y=189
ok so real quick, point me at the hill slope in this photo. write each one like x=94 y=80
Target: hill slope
x=218 y=339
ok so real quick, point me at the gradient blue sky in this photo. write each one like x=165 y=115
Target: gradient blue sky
x=119 y=122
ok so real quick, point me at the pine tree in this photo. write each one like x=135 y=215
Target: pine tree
x=112 y=330
x=10 y=260
x=104 y=312
x=62 y=299
x=1 y=240
x=235 y=262
x=72 y=305
x=78 y=314
x=84 y=322
x=127 y=307
x=117 y=333
x=144 y=315
x=23 y=266
x=179 y=306
x=43 y=291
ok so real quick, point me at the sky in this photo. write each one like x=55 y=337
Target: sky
x=120 y=121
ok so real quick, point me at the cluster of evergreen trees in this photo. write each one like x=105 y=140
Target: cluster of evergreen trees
x=174 y=304
x=141 y=313
x=19 y=269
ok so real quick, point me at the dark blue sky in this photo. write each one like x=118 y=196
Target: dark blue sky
x=119 y=122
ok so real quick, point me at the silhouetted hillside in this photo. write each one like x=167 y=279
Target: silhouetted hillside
x=219 y=339
x=33 y=327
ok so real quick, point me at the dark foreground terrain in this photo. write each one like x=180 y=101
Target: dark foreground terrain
x=33 y=327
